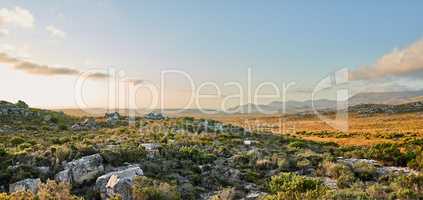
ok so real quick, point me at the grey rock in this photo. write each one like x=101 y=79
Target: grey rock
x=255 y=195
x=112 y=118
x=154 y=116
x=85 y=169
x=330 y=183
x=87 y=124
x=76 y=127
x=152 y=149
x=396 y=170
x=64 y=176
x=381 y=170
x=352 y=161
x=43 y=169
x=118 y=183
x=30 y=185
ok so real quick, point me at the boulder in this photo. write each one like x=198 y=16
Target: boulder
x=76 y=127
x=352 y=161
x=84 y=169
x=112 y=118
x=63 y=176
x=118 y=183
x=381 y=170
x=255 y=195
x=44 y=170
x=30 y=185
x=152 y=149
x=87 y=124
x=396 y=170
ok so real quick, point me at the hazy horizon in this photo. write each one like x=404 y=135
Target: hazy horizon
x=235 y=48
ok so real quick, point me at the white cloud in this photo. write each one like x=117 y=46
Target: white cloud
x=55 y=32
x=4 y=32
x=21 y=52
x=400 y=62
x=19 y=17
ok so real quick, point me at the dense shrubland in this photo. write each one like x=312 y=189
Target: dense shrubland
x=191 y=163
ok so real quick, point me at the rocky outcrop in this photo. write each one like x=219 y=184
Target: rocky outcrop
x=112 y=118
x=118 y=183
x=30 y=185
x=352 y=161
x=87 y=124
x=19 y=109
x=381 y=170
x=82 y=170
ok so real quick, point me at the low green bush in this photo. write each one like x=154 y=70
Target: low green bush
x=291 y=182
x=145 y=188
x=364 y=171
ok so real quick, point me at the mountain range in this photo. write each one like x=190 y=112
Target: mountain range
x=386 y=98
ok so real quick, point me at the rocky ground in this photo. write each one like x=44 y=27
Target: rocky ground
x=53 y=156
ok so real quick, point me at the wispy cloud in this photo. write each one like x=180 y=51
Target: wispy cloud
x=55 y=32
x=4 y=32
x=403 y=62
x=45 y=70
x=18 y=17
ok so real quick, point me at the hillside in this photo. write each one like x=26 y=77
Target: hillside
x=189 y=158
x=383 y=108
x=20 y=116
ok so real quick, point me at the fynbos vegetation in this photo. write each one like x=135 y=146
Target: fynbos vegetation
x=188 y=158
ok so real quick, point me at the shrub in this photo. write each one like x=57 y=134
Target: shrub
x=291 y=186
x=52 y=190
x=123 y=154
x=293 y=195
x=61 y=153
x=194 y=154
x=15 y=141
x=297 y=144
x=345 y=180
x=3 y=152
x=286 y=164
x=23 y=195
x=378 y=191
x=226 y=194
x=335 y=170
x=353 y=193
x=285 y=182
x=408 y=187
x=24 y=146
x=148 y=189
x=264 y=164
x=387 y=152
x=21 y=104
x=364 y=171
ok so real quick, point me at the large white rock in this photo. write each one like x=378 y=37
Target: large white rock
x=84 y=169
x=118 y=183
x=30 y=185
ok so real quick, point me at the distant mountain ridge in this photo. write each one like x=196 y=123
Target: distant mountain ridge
x=388 y=98
x=384 y=108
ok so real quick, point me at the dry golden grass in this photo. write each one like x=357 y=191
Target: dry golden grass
x=363 y=130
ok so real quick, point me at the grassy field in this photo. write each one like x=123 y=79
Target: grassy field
x=362 y=130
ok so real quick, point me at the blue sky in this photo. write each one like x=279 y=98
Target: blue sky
x=282 y=41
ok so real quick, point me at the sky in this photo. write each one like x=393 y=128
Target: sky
x=281 y=42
